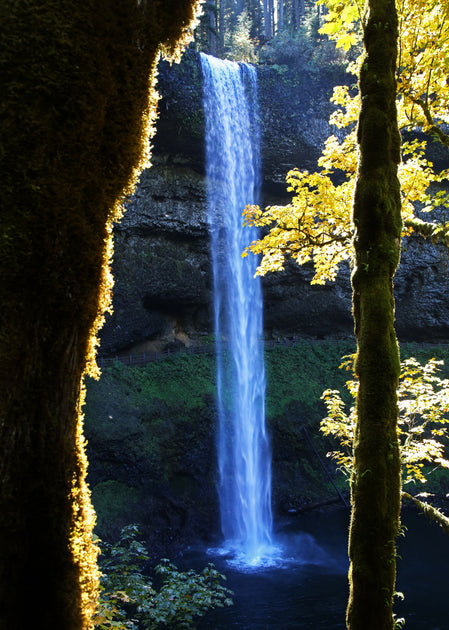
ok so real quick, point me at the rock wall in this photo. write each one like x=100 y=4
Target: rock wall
x=151 y=443
x=161 y=266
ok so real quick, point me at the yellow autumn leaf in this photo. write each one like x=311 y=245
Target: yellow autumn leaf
x=316 y=224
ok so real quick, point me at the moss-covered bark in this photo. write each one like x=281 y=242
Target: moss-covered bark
x=77 y=105
x=377 y=220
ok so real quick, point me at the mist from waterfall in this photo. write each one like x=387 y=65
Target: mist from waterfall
x=233 y=172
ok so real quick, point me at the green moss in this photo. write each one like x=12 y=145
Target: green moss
x=297 y=376
x=115 y=504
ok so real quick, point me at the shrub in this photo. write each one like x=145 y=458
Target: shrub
x=128 y=600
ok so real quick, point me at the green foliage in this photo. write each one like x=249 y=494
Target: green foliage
x=423 y=402
x=241 y=47
x=115 y=505
x=128 y=599
x=185 y=596
x=303 y=50
x=123 y=586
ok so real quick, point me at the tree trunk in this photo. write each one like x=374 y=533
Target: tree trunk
x=271 y=15
x=280 y=12
x=377 y=219
x=298 y=13
x=221 y=25
x=267 y=19
x=75 y=109
x=212 y=29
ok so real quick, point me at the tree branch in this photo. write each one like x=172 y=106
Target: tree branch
x=438 y=232
x=428 y=510
x=432 y=129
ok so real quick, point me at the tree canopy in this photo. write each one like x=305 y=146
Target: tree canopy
x=316 y=225
x=227 y=25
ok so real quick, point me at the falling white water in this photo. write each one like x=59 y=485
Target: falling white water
x=233 y=167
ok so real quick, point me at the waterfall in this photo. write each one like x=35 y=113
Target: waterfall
x=233 y=171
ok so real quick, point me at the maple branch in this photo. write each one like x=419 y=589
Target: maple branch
x=438 y=232
x=319 y=240
x=428 y=510
x=433 y=129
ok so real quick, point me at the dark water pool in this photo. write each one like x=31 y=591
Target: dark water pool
x=310 y=589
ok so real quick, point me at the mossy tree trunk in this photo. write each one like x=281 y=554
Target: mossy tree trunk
x=77 y=105
x=377 y=221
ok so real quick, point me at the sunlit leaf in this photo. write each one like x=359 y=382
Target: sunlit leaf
x=316 y=225
x=423 y=402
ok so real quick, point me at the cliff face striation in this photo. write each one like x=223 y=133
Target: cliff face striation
x=163 y=284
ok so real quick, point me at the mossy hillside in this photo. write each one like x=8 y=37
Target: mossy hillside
x=151 y=436
x=296 y=379
x=151 y=447
x=297 y=376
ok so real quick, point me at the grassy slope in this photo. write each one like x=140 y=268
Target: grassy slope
x=153 y=427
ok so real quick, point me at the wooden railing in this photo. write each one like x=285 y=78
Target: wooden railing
x=148 y=357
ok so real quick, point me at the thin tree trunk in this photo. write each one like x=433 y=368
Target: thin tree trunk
x=221 y=25
x=267 y=19
x=280 y=12
x=271 y=14
x=212 y=31
x=377 y=219
x=297 y=12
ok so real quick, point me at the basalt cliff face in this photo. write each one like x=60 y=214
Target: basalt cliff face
x=150 y=436
x=163 y=283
